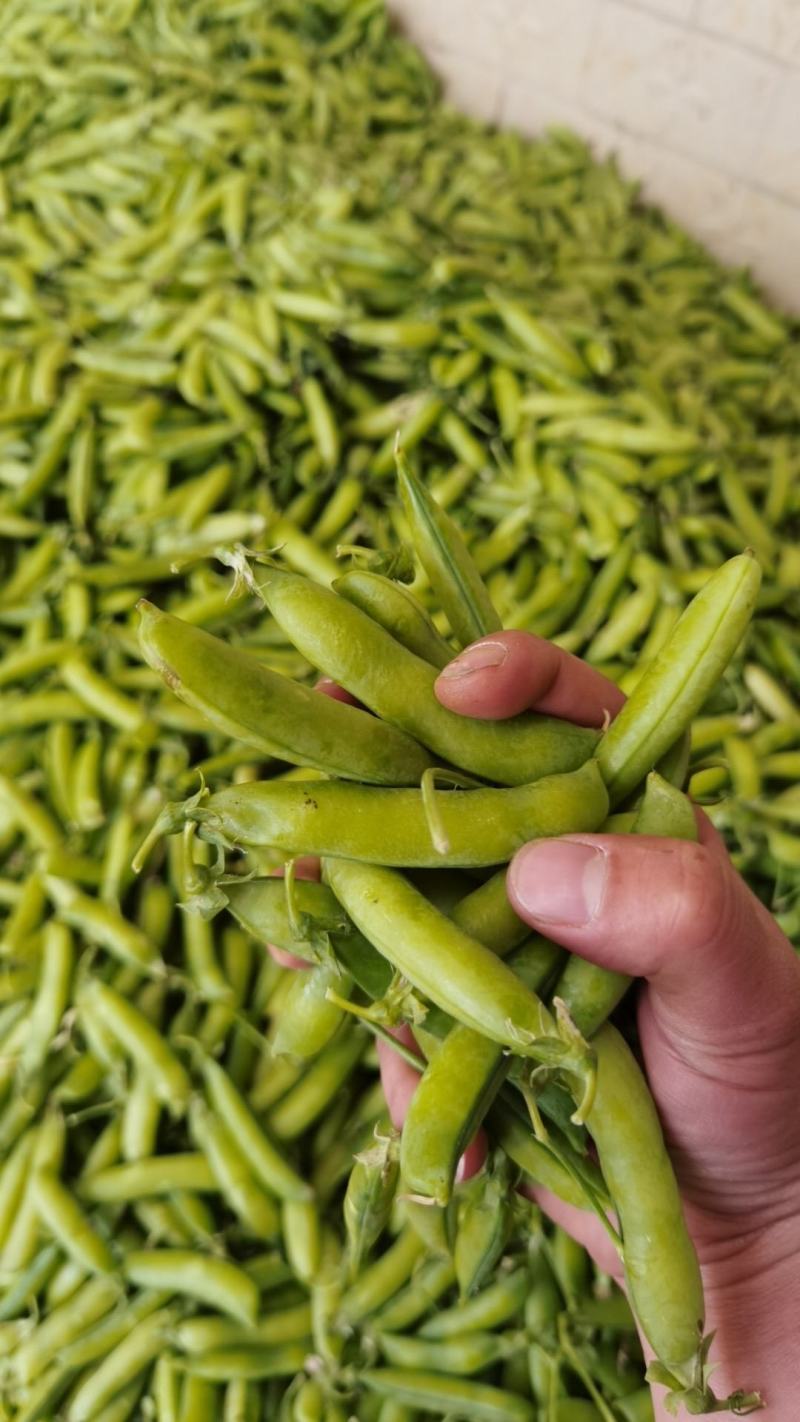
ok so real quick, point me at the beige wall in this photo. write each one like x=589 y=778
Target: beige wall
x=699 y=98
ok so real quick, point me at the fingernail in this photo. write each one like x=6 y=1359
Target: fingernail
x=559 y=881
x=485 y=654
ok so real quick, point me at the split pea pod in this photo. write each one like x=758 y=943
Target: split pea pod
x=681 y=676
x=347 y=645
x=396 y=609
x=478 y=827
x=244 y=699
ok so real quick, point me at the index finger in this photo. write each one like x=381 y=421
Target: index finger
x=510 y=672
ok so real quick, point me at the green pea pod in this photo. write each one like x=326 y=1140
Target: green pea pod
x=573 y=1178
x=499 y=1303
x=306 y=1101
x=369 y=1196
x=302 y=1238
x=446 y=965
x=235 y=1181
x=485 y=1219
x=382 y=1279
x=347 y=645
x=132 y=1354
x=247 y=1364
x=432 y=1279
x=391 y=827
x=141 y=1041
x=260 y=906
x=265 y=1160
x=63 y=1218
x=680 y=677
x=591 y=993
x=193 y=1275
x=458 y=1357
x=279 y=717
x=440 y=548
x=443 y=1395
x=458 y=1086
x=397 y=610
x=308 y=1019
x=661 y=1267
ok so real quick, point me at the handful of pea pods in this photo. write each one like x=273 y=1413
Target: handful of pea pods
x=553 y=779
x=240 y=248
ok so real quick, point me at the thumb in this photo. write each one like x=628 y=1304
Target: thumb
x=676 y=913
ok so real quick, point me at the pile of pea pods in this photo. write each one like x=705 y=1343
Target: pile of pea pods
x=245 y=251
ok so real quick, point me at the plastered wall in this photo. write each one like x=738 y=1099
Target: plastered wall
x=699 y=98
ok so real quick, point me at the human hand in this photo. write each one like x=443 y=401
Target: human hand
x=718 y=1015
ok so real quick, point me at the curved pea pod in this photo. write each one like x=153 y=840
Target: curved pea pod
x=459 y=1084
x=347 y=645
x=680 y=677
x=573 y=1178
x=440 y=548
x=499 y=1303
x=661 y=1266
x=459 y=1357
x=475 y=828
x=382 y=1279
x=64 y=1219
x=261 y=906
x=308 y=1019
x=104 y=925
x=267 y=1163
x=455 y=971
x=396 y=609
x=141 y=1041
x=369 y=1196
x=443 y=1395
x=134 y=1352
x=431 y=1280
x=591 y=993
x=205 y=1277
x=237 y=1185
x=279 y=717
x=485 y=1219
